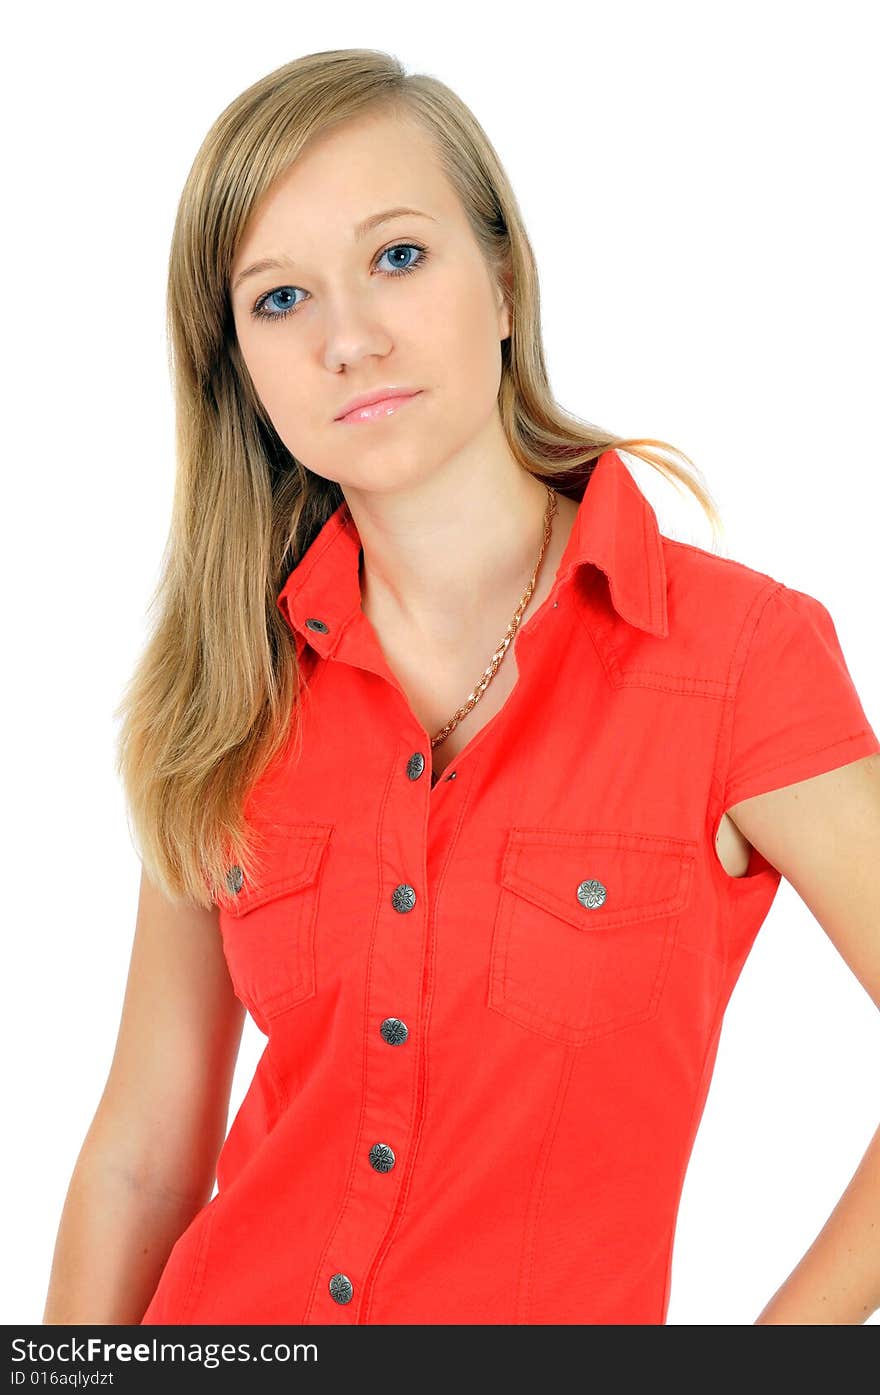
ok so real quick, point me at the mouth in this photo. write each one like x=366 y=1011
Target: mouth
x=377 y=411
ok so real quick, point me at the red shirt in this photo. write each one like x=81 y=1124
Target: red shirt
x=493 y=1006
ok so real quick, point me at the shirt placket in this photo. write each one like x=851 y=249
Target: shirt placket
x=390 y=1046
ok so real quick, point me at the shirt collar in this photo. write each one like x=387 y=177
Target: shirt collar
x=615 y=530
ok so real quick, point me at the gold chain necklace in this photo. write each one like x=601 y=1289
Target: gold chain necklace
x=489 y=673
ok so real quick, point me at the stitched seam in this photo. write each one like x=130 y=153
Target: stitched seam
x=649 y=575
x=627 y=1015
x=715 y=1030
x=685 y=680
x=541 y=1171
x=278 y=1081
x=252 y=897
x=374 y=1269
x=707 y=552
x=791 y=760
x=356 y=1159
x=666 y=844
x=725 y=723
x=197 y=1270
x=687 y=948
x=608 y=661
x=675 y=683
x=593 y=921
x=538 y=1014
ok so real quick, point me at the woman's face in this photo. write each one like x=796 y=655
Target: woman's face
x=408 y=304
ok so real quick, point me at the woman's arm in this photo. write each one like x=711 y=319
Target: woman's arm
x=823 y=835
x=147 y=1163
x=838 y=1279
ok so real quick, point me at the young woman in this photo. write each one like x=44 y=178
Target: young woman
x=468 y=784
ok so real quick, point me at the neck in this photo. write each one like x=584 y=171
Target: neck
x=433 y=550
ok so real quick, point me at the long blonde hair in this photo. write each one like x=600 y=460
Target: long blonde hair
x=215 y=694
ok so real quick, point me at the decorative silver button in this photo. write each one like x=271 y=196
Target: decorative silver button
x=591 y=894
x=403 y=897
x=415 y=765
x=235 y=880
x=381 y=1157
x=394 y=1031
x=340 y=1288
x=313 y=624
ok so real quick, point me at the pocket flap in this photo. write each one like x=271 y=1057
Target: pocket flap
x=599 y=879
x=290 y=856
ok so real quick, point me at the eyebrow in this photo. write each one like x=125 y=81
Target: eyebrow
x=360 y=232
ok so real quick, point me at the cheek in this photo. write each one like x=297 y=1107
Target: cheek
x=270 y=365
x=461 y=336
x=278 y=380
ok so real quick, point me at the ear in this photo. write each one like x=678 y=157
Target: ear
x=504 y=322
x=503 y=314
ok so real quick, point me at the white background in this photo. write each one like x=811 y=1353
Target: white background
x=699 y=183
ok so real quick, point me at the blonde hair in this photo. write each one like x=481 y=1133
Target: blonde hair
x=216 y=693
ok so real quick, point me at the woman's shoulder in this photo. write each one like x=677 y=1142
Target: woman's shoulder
x=709 y=592
x=695 y=566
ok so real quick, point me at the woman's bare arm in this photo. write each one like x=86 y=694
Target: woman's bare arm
x=823 y=834
x=148 y=1160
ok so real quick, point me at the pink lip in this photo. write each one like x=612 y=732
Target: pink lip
x=381 y=407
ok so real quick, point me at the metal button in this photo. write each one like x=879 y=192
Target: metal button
x=381 y=1157
x=340 y=1288
x=415 y=765
x=591 y=894
x=235 y=880
x=403 y=897
x=313 y=624
x=394 y=1031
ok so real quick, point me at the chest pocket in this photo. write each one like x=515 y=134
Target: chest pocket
x=268 y=926
x=585 y=927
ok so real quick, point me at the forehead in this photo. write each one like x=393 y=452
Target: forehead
x=361 y=167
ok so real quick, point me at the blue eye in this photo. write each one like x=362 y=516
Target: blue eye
x=281 y=312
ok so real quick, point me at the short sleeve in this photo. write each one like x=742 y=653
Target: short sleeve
x=796 y=711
